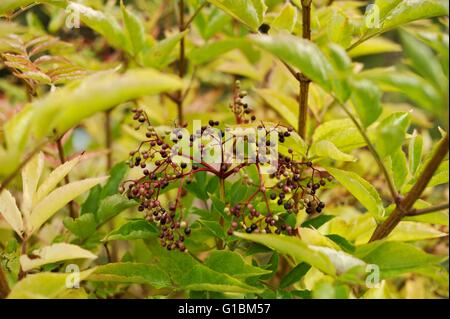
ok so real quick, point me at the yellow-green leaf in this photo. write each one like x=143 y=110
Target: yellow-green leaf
x=363 y=191
x=366 y=100
x=66 y=107
x=134 y=29
x=293 y=247
x=287 y=18
x=326 y=149
x=45 y=285
x=299 y=53
x=284 y=105
x=55 y=177
x=30 y=179
x=128 y=272
x=103 y=23
x=57 y=199
x=54 y=253
x=10 y=212
x=249 y=12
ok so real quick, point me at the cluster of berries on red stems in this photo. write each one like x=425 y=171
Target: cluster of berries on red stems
x=295 y=188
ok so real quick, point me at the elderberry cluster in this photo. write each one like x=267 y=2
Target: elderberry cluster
x=296 y=189
x=241 y=110
x=156 y=152
x=292 y=187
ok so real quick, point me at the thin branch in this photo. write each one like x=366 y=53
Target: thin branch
x=23 y=251
x=111 y=254
x=62 y=160
x=428 y=210
x=195 y=14
x=360 y=41
x=181 y=63
x=304 y=81
x=405 y=205
x=294 y=73
x=108 y=139
x=4 y=287
x=21 y=10
x=108 y=253
x=387 y=176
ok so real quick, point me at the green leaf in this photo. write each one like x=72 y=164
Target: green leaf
x=111 y=206
x=210 y=24
x=214 y=228
x=339 y=29
x=299 y=53
x=326 y=290
x=342 y=242
x=342 y=65
x=295 y=275
x=9 y=6
x=414 y=231
x=417 y=90
x=90 y=205
x=390 y=134
x=415 y=152
x=137 y=273
x=44 y=285
x=366 y=98
x=376 y=45
x=396 y=13
x=203 y=278
x=135 y=229
x=83 y=226
x=441 y=175
x=395 y=258
x=249 y=12
x=399 y=168
x=285 y=106
x=363 y=191
x=212 y=50
x=327 y=149
x=102 y=23
x=236 y=266
x=116 y=176
x=57 y=199
x=54 y=253
x=293 y=247
x=134 y=28
x=187 y=273
x=286 y=19
x=159 y=55
x=68 y=106
x=423 y=61
x=212 y=185
x=342 y=133
x=318 y=221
